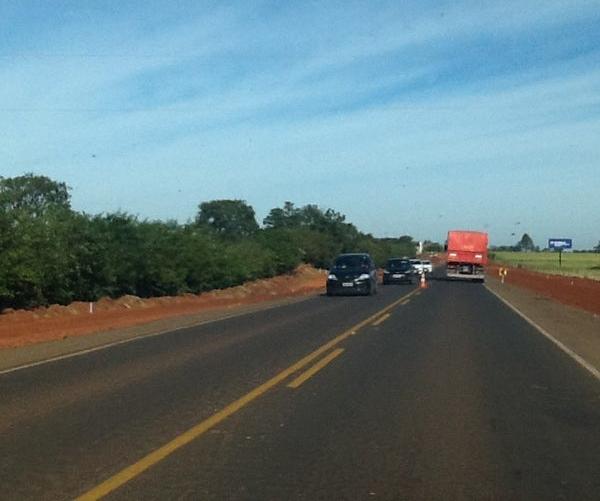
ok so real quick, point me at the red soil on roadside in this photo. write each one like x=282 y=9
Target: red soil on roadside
x=579 y=292
x=22 y=327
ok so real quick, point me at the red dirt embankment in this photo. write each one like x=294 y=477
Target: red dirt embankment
x=21 y=327
x=579 y=292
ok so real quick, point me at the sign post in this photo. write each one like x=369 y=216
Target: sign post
x=560 y=244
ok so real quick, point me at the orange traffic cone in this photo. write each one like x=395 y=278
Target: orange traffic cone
x=423 y=281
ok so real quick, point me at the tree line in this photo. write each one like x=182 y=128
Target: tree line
x=50 y=253
x=526 y=245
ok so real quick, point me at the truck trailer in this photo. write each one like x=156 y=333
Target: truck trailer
x=467 y=255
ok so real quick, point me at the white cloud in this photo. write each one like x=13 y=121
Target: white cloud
x=310 y=104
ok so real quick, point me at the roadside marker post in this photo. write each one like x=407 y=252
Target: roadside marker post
x=423 y=282
x=502 y=272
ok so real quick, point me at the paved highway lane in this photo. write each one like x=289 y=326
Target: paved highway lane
x=451 y=396
x=66 y=425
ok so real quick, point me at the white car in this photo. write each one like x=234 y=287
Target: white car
x=417 y=264
x=427 y=266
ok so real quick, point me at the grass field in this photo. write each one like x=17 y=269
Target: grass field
x=573 y=264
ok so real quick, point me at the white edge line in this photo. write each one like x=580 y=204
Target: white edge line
x=580 y=360
x=139 y=338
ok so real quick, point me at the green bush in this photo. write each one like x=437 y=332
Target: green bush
x=52 y=254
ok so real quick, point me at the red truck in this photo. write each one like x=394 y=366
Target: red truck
x=467 y=255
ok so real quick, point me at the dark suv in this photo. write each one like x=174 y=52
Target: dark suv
x=399 y=271
x=352 y=274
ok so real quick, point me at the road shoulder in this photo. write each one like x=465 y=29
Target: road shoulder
x=30 y=355
x=576 y=329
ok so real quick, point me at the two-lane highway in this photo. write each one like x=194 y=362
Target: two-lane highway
x=442 y=393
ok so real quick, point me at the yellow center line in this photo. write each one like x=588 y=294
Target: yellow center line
x=134 y=470
x=315 y=368
x=406 y=301
x=381 y=319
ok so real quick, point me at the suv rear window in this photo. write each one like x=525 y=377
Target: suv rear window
x=344 y=262
x=398 y=265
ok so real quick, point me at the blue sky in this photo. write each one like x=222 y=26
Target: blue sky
x=408 y=117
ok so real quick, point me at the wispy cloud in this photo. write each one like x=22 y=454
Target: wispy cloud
x=274 y=101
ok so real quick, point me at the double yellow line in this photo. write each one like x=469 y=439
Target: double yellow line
x=134 y=470
x=381 y=319
x=315 y=368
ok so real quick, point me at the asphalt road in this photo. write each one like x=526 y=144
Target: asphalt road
x=446 y=395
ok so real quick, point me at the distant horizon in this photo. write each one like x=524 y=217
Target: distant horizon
x=410 y=118
x=260 y=218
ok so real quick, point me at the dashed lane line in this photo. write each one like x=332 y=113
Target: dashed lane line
x=130 y=472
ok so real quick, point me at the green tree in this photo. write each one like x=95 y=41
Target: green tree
x=202 y=254
x=526 y=244
x=317 y=248
x=246 y=260
x=310 y=216
x=318 y=234
x=230 y=219
x=285 y=247
x=286 y=217
x=39 y=262
x=401 y=246
x=33 y=194
x=50 y=253
x=429 y=246
x=37 y=253
x=162 y=272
